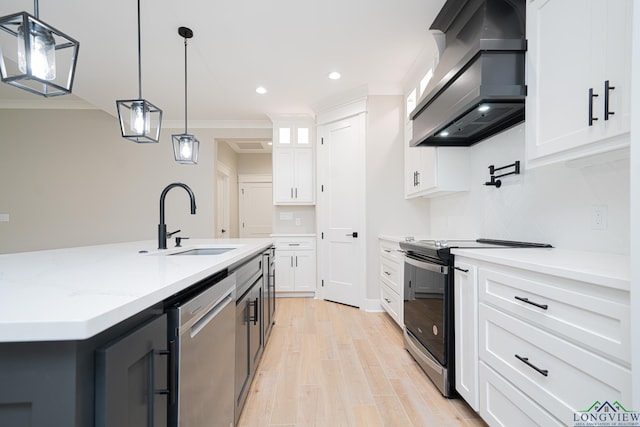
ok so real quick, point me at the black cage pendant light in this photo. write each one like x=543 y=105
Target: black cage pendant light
x=140 y=120
x=185 y=146
x=36 y=57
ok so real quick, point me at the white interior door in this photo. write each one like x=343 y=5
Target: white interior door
x=222 y=202
x=255 y=208
x=341 y=208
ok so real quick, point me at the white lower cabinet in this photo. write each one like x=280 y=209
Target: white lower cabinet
x=295 y=266
x=504 y=405
x=540 y=348
x=392 y=280
x=465 y=300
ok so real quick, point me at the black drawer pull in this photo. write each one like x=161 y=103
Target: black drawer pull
x=607 y=89
x=542 y=306
x=525 y=360
x=462 y=269
x=387 y=273
x=591 y=96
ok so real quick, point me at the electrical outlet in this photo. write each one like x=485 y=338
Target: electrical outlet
x=599 y=217
x=297 y=221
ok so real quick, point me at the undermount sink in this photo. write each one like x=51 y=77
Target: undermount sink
x=206 y=251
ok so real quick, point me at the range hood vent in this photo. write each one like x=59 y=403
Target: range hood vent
x=478 y=88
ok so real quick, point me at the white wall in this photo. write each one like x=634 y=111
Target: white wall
x=229 y=158
x=552 y=204
x=255 y=164
x=284 y=219
x=68 y=178
x=387 y=210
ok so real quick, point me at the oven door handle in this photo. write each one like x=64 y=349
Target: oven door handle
x=437 y=268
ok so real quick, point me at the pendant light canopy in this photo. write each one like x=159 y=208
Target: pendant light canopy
x=185 y=146
x=140 y=120
x=36 y=57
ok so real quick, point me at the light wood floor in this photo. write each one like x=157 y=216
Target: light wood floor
x=331 y=365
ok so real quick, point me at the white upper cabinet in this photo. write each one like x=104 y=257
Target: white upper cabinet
x=434 y=171
x=293 y=162
x=578 y=78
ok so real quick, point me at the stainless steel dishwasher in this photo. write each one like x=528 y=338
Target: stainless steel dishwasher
x=202 y=340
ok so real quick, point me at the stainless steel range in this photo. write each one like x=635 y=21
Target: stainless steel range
x=428 y=303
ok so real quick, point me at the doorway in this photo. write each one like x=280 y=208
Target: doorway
x=223 y=206
x=255 y=200
x=341 y=210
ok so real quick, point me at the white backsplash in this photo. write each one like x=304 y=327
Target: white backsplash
x=552 y=204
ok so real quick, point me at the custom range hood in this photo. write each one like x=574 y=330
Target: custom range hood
x=478 y=88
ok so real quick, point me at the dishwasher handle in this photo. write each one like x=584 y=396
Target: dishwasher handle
x=211 y=313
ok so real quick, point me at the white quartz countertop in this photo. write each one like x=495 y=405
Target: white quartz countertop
x=76 y=293
x=604 y=269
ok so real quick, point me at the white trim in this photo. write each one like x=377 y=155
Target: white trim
x=296 y=294
x=244 y=178
x=223 y=169
x=343 y=111
x=372 y=306
x=49 y=104
x=218 y=124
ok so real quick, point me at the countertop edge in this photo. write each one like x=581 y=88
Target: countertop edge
x=604 y=269
x=83 y=326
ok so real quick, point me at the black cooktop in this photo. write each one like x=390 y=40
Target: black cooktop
x=441 y=249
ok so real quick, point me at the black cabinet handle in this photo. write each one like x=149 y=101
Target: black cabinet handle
x=462 y=269
x=607 y=88
x=417 y=178
x=591 y=96
x=525 y=360
x=255 y=311
x=152 y=384
x=296 y=260
x=523 y=299
x=387 y=273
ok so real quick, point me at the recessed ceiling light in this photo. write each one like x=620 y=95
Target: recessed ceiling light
x=483 y=108
x=270 y=143
x=444 y=133
x=261 y=90
x=334 y=75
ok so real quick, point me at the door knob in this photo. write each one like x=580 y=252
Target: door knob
x=354 y=234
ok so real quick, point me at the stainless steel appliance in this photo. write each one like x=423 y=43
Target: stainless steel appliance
x=428 y=303
x=202 y=337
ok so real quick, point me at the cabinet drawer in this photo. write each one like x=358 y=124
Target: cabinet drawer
x=586 y=314
x=390 y=272
x=296 y=243
x=391 y=303
x=391 y=250
x=575 y=378
x=504 y=405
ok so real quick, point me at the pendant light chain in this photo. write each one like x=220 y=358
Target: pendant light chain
x=139 y=57
x=185 y=85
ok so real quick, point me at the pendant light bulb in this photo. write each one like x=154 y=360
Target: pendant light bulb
x=140 y=121
x=42 y=51
x=186 y=148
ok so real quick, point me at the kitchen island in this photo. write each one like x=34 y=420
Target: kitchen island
x=60 y=308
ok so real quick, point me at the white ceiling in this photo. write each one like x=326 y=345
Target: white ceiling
x=287 y=46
